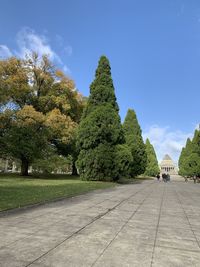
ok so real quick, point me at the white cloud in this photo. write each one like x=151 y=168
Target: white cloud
x=5 y=52
x=28 y=41
x=166 y=141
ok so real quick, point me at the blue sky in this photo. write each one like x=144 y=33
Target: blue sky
x=153 y=47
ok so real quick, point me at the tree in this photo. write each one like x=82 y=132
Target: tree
x=123 y=160
x=14 y=86
x=134 y=141
x=26 y=138
x=52 y=163
x=100 y=129
x=102 y=89
x=152 y=168
x=70 y=149
x=193 y=160
x=183 y=157
x=189 y=160
x=35 y=85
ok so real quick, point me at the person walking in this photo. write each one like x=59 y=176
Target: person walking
x=158 y=177
x=164 y=176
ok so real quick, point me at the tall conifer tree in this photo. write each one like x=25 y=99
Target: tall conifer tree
x=152 y=168
x=100 y=130
x=189 y=160
x=133 y=136
x=182 y=163
x=193 y=160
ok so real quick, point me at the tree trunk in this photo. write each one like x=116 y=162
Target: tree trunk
x=24 y=167
x=13 y=167
x=74 y=169
x=6 y=166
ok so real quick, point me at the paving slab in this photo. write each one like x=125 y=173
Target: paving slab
x=147 y=224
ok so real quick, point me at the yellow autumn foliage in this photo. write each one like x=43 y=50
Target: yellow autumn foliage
x=13 y=81
x=40 y=107
x=28 y=116
x=61 y=125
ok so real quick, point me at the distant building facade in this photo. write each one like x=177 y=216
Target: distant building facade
x=167 y=166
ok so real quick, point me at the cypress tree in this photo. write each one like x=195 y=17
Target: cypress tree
x=100 y=131
x=133 y=136
x=102 y=89
x=196 y=142
x=152 y=168
x=194 y=157
x=182 y=163
x=189 y=160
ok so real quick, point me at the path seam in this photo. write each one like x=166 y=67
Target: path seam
x=31 y=234
x=156 y=234
x=122 y=227
x=187 y=218
x=82 y=228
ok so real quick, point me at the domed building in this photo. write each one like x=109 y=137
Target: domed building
x=167 y=166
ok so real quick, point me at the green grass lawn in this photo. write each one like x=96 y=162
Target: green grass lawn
x=16 y=191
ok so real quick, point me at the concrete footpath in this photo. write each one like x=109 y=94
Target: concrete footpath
x=145 y=224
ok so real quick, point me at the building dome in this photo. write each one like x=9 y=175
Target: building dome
x=167 y=165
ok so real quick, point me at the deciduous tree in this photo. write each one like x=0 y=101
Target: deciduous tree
x=35 y=85
x=26 y=138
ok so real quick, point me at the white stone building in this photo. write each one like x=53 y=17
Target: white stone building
x=168 y=166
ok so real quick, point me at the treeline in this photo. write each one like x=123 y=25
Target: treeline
x=189 y=160
x=44 y=118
